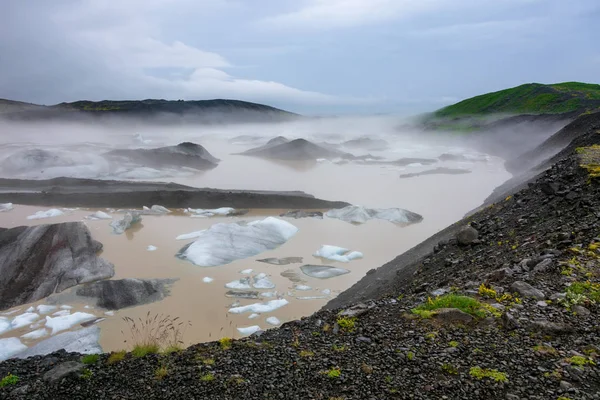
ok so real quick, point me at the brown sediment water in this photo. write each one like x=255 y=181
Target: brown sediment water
x=441 y=200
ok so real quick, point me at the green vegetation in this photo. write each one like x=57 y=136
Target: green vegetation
x=144 y=350
x=580 y=361
x=306 y=353
x=173 y=349
x=453 y=343
x=208 y=377
x=208 y=361
x=449 y=369
x=466 y=304
x=333 y=373
x=346 y=324
x=410 y=355
x=531 y=98
x=545 y=349
x=480 y=373
x=90 y=359
x=116 y=357
x=86 y=374
x=582 y=293
x=590 y=160
x=486 y=291
x=161 y=372
x=335 y=347
x=9 y=380
x=225 y=343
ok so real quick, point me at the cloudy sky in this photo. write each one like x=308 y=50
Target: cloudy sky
x=310 y=56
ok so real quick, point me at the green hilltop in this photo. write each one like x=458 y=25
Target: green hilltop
x=531 y=98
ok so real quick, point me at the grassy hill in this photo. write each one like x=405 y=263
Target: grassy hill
x=531 y=98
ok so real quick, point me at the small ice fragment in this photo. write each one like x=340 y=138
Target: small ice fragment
x=252 y=316
x=62 y=313
x=246 y=271
x=336 y=253
x=109 y=313
x=323 y=271
x=30 y=309
x=58 y=324
x=98 y=215
x=6 y=207
x=326 y=292
x=5 y=325
x=156 y=209
x=192 y=235
x=129 y=219
x=311 y=297
x=207 y=279
x=199 y=212
x=269 y=294
x=53 y=212
x=10 y=347
x=35 y=334
x=88 y=307
x=269 y=306
x=249 y=330
x=151 y=248
x=23 y=320
x=273 y=321
x=302 y=287
x=262 y=281
x=240 y=284
x=65 y=307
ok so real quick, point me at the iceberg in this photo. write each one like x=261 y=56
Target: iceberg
x=192 y=235
x=360 y=215
x=249 y=330
x=23 y=320
x=242 y=294
x=302 y=287
x=199 y=212
x=323 y=271
x=269 y=294
x=155 y=210
x=273 y=321
x=225 y=242
x=335 y=253
x=62 y=313
x=53 y=212
x=311 y=298
x=5 y=325
x=282 y=261
x=262 y=281
x=252 y=316
x=151 y=248
x=207 y=279
x=260 y=308
x=35 y=334
x=6 y=207
x=129 y=219
x=109 y=313
x=98 y=215
x=246 y=271
x=83 y=341
x=62 y=323
x=240 y=284
x=9 y=347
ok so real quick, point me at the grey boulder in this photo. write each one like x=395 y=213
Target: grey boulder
x=122 y=293
x=467 y=235
x=526 y=290
x=69 y=368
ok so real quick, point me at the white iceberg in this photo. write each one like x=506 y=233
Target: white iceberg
x=53 y=212
x=240 y=284
x=273 y=321
x=9 y=347
x=262 y=281
x=155 y=210
x=223 y=243
x=83 y=341
x=6 y=207
x=191 y=235
x=30 y=309
x=252 y=316
x=62 y=313
x=326 y=292
x=246 y=271
x=109 y=313
x=260 y=308
x=311 y=297
x=269 y=294
x=207 y=279
x=151 y=248
x=302 y=287
x=336 y=253
x=63 y=323
x=129 y=219
x=35 y=334
x=360 y=215
x=202 y=213
x=45 y=309
x=249 y=330
x=98 y=215
x=23 y=320
x=5 y=325
x=323 y=271
x=66 y=307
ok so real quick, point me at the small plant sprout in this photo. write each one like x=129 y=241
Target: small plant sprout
x=480 y=373
x=115 y=357
x=333 y=373
x=9 y=380
x=90 y=359
x=347 y=324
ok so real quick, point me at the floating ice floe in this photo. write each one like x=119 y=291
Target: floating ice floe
x=30 y=309
x=155 y=210
x=6 y=207
x=23 y=320
x=246 y=271
x=335 y=253
x=273 y=321
x=240 y=284
x=151 y=248
x=223 y=243
x=252 y=316
x=326 y=292
x=242 y=294
x=269 y=294
x=191 y=235
x=129 y=219
x=109 y=313
x=323 y=271
x=282 y=261
x=249 y=330
x=262 y=281
x=260 y=308
x=66 y=307
x=98 y=215
x=62 y=313
x=360 y=215
x=62 y=323
x=302 y=287
x=35 y=334
x=84 y=341
x=9 y=347
x=311 y=297
x=53 y=212
x=207 y=279
x=203 y=213
x=5 y=325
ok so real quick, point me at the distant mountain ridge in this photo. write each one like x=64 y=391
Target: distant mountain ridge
x=217 y=110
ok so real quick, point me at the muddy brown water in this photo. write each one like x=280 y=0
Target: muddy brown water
x=441 y=199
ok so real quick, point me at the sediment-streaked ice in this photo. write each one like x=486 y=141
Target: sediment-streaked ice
x=302 y=287
x=61 y=313
x=151 y=248
x=311 y=297
x=129 y=219
x=262 y=281
x=83 y=341
x=98 y=215
x=240 y=284
x=6 y=207
x=23 y=320
x=199 y=212
x=249 y=330
x=260 y=308
x=63 y=323
x=191 y=235
x=5 y=325
x=223 y=243
x=323 y=271
x=360 y=215
x=336 y=253
x=207 y=279
x=35 y=334
x=51 y=213
x=9 y=347
x=273 y=321
x=45 y=309
x=269 y=294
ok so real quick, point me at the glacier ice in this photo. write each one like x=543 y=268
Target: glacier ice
x=246 y=271
x=191 y=235
x=53 y=212
x=98 y=215
x=62 y=313
x=360 y=215
x=249 y=330
x=199 y=212
x=6 y=207
x=23 y=320
x=207 y=279
x=336 y=253
x=151 y=248
x=129 y=219
x=323 y=271
x=240 y=284
x=225 y=242
x=63 y=323
x=273 y=321
x=5 y=325
x=9 y=347
x=35 y=334
x=302 y=287
x=83 y=341
x=260 y=308
x=252 y=316
x=262 y=281
x=155 y=210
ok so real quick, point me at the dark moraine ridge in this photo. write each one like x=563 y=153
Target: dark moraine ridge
x=74 y=192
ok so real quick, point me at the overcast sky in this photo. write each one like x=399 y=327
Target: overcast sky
x=310 y=56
